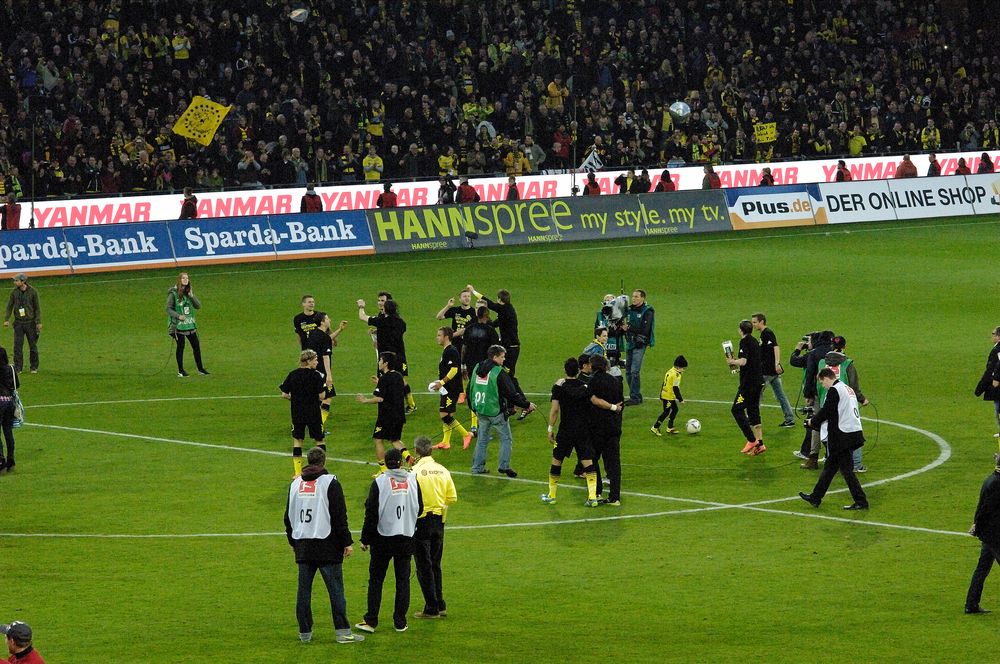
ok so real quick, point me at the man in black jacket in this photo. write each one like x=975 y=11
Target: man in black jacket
x=491 y=391
x=607 y=400
x=317 y=530
x=985 y=526
x=839 y=423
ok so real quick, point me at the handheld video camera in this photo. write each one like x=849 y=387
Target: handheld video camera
x=615 y=309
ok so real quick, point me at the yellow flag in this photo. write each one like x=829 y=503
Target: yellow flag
x=766 y=132
x=201 y=120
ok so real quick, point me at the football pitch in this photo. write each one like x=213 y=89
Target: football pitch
x=144 y=520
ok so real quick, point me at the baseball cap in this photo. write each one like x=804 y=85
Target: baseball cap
x=393 y=458
x=17 y=630
x=20 y=276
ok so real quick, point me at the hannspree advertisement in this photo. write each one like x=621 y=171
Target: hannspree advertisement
x=556 y=220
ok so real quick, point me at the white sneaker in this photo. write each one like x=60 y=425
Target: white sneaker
x=305 y=637
x=799 y=455
x=349 y=638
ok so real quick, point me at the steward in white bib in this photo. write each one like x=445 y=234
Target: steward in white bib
x=391 y=510
x=316 y=517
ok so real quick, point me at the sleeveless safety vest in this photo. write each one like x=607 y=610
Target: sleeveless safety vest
x=484 y=393
x=398 y=503
x=309 y=509
x=182 y=305
x=838 y=371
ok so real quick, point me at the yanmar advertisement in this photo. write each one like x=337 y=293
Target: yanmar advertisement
x=557 y=220
x=358 y=196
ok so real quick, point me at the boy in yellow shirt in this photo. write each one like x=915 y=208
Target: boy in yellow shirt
x=670 y=395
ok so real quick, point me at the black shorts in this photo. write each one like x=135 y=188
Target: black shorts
x=748 y=400
x=315 y=427
x=392 y=431
x=565 y=446
x=448 y=403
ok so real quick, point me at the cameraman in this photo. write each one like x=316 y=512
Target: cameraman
x=639 y=335
x=806 y=356
x=610 y=316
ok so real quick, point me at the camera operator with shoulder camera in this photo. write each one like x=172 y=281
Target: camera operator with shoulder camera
x=807 y=354
x=611 y=316
x=639 y=335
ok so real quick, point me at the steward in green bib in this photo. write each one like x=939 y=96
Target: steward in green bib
x=492 y=395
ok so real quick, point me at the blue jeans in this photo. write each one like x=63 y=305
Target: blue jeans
x=779 y=394
x=486 y=426
x=633 y=365
x=333 y=575
x=856 y=457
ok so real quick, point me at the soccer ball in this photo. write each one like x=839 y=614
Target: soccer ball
x=430 y=386
x=693 y=426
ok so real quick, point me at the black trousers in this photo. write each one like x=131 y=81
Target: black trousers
x=195 y=348
x=987 y=556
x=607 y=447
x=429 y=549
x=843 y=462
x=510 y=364
x=25 y=330
x=399 y=551
x=7 y=426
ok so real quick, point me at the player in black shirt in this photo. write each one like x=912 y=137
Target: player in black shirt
x=506 y=324
x=322 y=340
x=389 y=331
x=478 y=338
x=306 y=321
x=460 y=317
x=607 y=399
x=571 y=404
x=390 y=396
x=746 y=405
x=304 y=387
x=449 y=377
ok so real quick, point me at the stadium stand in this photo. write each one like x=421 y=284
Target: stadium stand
x=474 y=87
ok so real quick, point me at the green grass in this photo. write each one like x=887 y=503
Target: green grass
x=723 y=585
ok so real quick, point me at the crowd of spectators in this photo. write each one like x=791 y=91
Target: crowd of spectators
x=397 y=89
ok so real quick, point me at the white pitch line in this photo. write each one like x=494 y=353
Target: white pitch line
x=462 y=256
x=707 y=506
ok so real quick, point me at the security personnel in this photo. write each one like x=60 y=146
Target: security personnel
x=839 y=423
x=491 y=390
x=391 y=512
x=437 y=490
x=316 y=527
x=450 y=378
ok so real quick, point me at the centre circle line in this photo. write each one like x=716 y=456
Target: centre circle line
x=943 y=456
